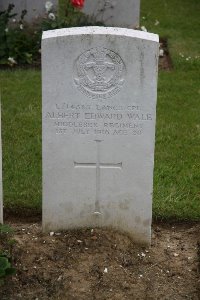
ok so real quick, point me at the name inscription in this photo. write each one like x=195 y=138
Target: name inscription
x=95 y=119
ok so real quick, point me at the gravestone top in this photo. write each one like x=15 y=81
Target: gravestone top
x=98 y=30
x=35 y=9
x=99 y=90
x=115 y=13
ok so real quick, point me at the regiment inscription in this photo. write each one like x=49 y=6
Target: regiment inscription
x=95 y=119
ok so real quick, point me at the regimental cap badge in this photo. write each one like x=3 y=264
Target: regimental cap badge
x=99 y=73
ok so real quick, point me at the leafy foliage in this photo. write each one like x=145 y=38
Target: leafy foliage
x=6 y=244
x=5 y=267
x=5 y=229
x=20 y=43
x=15 y=44
x=5 y=16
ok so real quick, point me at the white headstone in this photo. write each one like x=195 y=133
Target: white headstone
x=116 y=13
x=35 y=9
x=1 y=184
x=99 y=110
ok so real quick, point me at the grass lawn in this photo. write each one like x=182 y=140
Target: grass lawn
x=21 y=138
x=177 y=156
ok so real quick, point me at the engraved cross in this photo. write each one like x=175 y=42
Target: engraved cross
x=98 y=166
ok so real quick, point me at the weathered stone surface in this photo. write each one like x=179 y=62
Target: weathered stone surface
x=99 y=110
x=116 y=13
x=35 y=9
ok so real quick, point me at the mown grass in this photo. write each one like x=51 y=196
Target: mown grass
x=21 y=135
x=178 y=20
x=177 y=155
